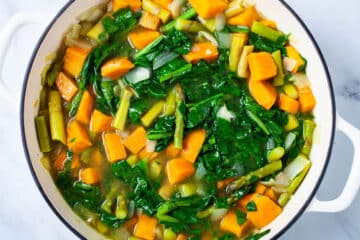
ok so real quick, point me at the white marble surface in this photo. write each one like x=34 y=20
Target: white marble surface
x=24 y=213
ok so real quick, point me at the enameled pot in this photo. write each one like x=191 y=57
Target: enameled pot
x=325 y=116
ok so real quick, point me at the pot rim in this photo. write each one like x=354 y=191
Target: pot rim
x=75 y=231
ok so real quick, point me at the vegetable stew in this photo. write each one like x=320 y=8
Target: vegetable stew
x=176 y=119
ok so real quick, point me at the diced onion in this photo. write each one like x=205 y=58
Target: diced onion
x=224 y=39
x=163 y=58
x=282 y=180
x=200 y=172
x=209 y=37
x=175 y=7
x=224 y=113
x=296 y=166
x=218 y=214
x=123 y=134
x=289 y=64
x=220 y=21
x=138 y=74
x=301 y=80
x=150 y=145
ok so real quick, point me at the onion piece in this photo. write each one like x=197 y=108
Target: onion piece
x=301 y=80
x=220 y=22
x=175 y=7
x=218 y=214
x=208 y=36
x=163 y=58
x=150 y=145
x=224 y=39
x=296 y=166
x=282 y=180
x=137 y=75
x=224 y=113
x=289 y=64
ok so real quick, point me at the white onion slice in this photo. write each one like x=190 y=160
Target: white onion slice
x=224 y=113
x=289 y=64
x=150 y=145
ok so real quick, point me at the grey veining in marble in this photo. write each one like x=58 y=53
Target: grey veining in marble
x=335 y=25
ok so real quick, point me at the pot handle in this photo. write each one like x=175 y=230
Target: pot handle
x=6 y=36
x=352 y=185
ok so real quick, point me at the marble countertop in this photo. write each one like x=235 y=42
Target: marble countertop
x=23 y=211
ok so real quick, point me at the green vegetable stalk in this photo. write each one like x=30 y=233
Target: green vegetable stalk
x=153 y=113
x=149 y=47
x=258 y=121
x=106 y=206
x=42 y=130
x=56 y=117
x=179 y=117
x=293 y=186
x=121 y=115
x=188 y=25
x=44 y=100
x=266 y=32
x=121 y=211
x=188 y=14
x=170 y=103
x=279 y=80
x=245 y=180
x=308 y=132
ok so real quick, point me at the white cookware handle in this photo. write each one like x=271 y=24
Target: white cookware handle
x=353 y=182
x=15 y=22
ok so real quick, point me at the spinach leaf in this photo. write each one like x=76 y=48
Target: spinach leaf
x=175 y=68
x=178 y=42
x=137 y=108
x=143 y=191
x=180 y=214
x=107 y=89
x=75 y=191
x=263 y=44
x=251 y=206
x=241 y=217
x=162 y=132
x=110 y=220
x=121 y=20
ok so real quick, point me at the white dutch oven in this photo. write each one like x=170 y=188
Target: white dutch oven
x=325 y=116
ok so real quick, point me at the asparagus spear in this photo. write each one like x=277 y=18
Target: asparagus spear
x=121 y=115
x=266 y=32
x=186 y=15
x=170 y=103
x=56 y=117
x=121 y=211
x=257 y=174
x=308 y=131
x=279 y=79
x=43 y=134
x=179 y=118
x=153 y=113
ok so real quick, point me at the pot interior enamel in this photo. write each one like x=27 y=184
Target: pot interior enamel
x=272 y=9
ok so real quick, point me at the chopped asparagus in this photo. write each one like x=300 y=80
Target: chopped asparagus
x=179 y=118
x=279 y=79
x=265 y=31
x=56 y=117
x=188 y=14
x=42 y=130
x=153 y=113
x=245 y=180
x=308 y=132
x=121 y=115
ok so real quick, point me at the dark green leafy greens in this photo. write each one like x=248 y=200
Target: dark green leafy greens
x=142 y=190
